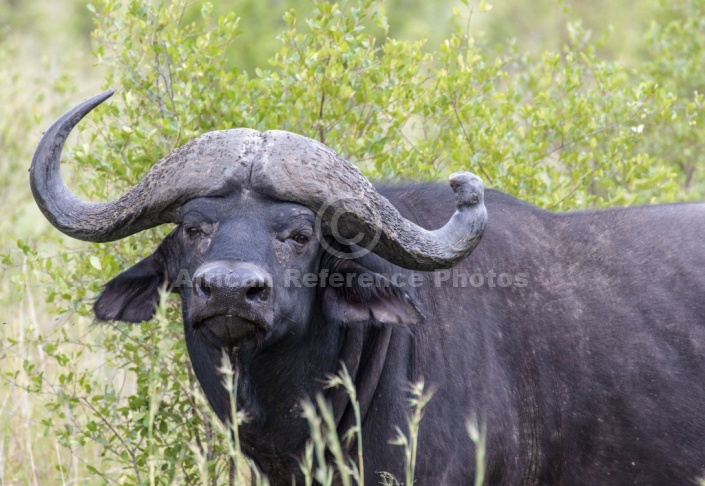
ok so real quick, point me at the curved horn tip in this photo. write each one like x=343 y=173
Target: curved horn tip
x=103 y=96
x=468 y=189
x=92 y=102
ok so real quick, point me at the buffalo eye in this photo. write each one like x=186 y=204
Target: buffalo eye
x=200 y=230
x=300 y=239
x=193 y=231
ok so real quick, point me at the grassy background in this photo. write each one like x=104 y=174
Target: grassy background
x=46 y=65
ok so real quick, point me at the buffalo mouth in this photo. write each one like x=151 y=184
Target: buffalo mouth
x=229 y=329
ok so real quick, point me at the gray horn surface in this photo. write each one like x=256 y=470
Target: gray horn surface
x=280 y=164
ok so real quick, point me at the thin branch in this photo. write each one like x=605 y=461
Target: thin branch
x=467 y=138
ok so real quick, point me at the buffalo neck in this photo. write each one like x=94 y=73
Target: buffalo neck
x=274 y=381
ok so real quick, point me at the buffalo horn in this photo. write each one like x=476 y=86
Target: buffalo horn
x=280 y=164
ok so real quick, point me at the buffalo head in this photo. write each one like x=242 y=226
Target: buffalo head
x=255 y=213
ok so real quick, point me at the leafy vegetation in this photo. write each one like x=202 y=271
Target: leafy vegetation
x=565 y=126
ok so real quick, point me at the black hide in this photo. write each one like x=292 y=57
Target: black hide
x=587 y=368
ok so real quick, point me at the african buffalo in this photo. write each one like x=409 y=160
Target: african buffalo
x=578 y=339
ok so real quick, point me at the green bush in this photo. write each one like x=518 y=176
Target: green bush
x=564 y=130
x=677 y=55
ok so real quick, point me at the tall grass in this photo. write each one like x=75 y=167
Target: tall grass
x=29 y=452
x=87 y=404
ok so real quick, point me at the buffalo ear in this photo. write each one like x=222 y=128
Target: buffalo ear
x=367 y=297
x=133 y=296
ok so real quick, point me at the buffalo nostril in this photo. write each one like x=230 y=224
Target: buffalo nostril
x=203 y=288
x=232 y=287
x=259 y=292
